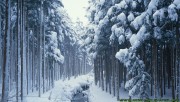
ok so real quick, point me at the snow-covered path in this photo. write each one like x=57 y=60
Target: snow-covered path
x=64 y=91
x=97 y=95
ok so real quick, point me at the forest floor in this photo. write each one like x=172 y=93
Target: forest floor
x=65 y=89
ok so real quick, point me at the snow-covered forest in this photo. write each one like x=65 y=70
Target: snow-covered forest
x=130 y=49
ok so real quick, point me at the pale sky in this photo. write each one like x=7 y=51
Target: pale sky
x=75 y=9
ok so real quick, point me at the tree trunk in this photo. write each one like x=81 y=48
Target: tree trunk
x=155 y=67
x=162 y=67
x=18 y=52
x=5 y=68
x=172 y=71
x=1 y=60
x=33 y=62
x=177 y=57
x=22 y=25
x=44 y=59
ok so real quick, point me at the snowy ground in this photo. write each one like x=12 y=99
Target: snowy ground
x=97 y=95
x=64 y=90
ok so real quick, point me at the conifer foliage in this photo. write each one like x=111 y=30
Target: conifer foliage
x=143 y=35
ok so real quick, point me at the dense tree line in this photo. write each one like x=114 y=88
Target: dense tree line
x=135 y=44
x=38 y=45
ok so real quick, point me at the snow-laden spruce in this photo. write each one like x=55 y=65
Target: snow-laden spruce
x=132 y=25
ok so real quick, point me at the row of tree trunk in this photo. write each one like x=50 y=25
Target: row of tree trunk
x=109 y=72
x=24 y=65
x=162 y=61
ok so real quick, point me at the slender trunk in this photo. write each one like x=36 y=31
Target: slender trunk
x=151 y=65
x=172 y=73
x=44 y=68
x=162 y=67
x=177 y=57
x=40 y=47
x=27 y=65
x=1 y=48
x=114 y=72
x=101 y=69
x=18 y=51
x=33 y=66
x=11 y=66
x=110 y=72
x=6 y=54
x=118 y=78
x=27 y=62
x=22 y=47
x=155 y=67
x=95 y=70
x=107 y=71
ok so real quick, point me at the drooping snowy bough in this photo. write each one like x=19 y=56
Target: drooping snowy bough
x=131 y=26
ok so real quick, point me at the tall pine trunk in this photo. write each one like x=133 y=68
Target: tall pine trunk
x=155 y=66
x=6 y=53
x=177 y=57
x=40 y=48
x=0 y=48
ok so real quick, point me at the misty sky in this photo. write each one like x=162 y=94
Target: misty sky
x=76 y=9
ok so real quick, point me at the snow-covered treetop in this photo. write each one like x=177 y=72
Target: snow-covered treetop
x=59 y=31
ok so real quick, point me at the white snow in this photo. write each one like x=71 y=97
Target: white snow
x=121 y=54
x=134 y=4
x=155 y=16
x=176 y=2
x=58 y=56
x=133 y=90
x=56 y=53
x=112 y=37
x=157 y=33
x=63 y=90
x=128 y=34
x=152 y=6
x=121 y=5
x=97 y=95
x=136 y=39
x=133 y=39
x=172 y=12
x=103 y=22
x=138 y=21
x=101 y=2
x=128 y=1
x=110 y=11
x=113 y=27
x=87 y=40
x=129 y=83
x=96 y=38
x=119 y=31
x=121 y=39
x=122 y=18
x=130 y=17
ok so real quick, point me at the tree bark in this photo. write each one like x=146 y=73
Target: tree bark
x=177 y=57
x=6 y=53
x=155 y=67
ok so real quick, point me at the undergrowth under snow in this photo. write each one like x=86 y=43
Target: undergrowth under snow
x=63 y=90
